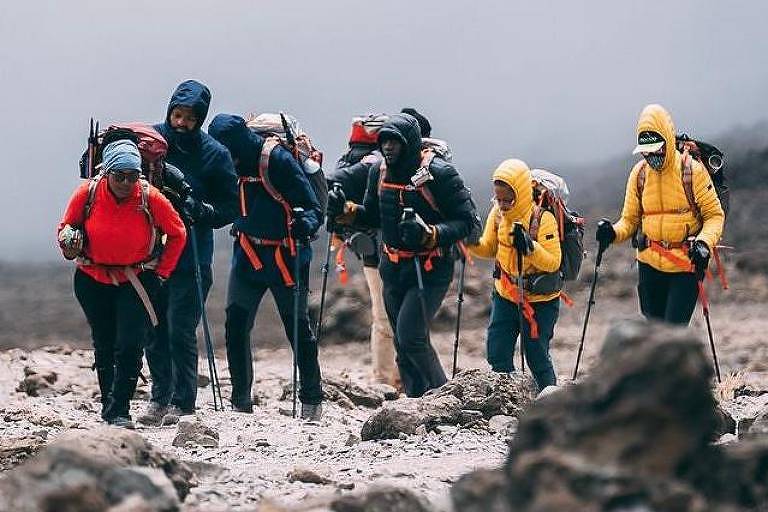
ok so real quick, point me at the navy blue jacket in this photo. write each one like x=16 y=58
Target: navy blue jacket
x=266 y=218
x=207 y=167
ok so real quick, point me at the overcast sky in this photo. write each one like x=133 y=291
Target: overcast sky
x=551 y=82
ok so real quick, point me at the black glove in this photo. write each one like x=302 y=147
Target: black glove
x=605 y=234
x=698 y=252
x=414 y=232
x=301 y=227
x=195 y=210
x=522 y=240
x=336 y=201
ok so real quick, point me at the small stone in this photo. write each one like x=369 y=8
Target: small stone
x=308 y=476
x=352 y=440
x=346 y=486
x=446 y=429
x=421 y=430
x=501 y=424
x=203 y=380
x=195 y=433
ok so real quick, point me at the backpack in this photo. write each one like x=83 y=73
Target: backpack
x=713 y=161
x=550 y=193
x=287 y=131
x=152 y=147
x=365 y=128
x=438 y=146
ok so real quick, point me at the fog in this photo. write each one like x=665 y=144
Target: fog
x=556 y=83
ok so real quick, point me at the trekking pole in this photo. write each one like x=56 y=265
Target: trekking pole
x=296 y=299
x=705 y=309
x=407 y=214
x=214 y=374
x=459 y=302
x=326 y=266
x=590 y=303
x=518 y=232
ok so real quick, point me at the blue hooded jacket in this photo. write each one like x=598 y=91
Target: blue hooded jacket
x=265 y=217
x=207 y=167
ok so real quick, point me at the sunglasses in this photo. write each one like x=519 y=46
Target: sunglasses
x=120 y=177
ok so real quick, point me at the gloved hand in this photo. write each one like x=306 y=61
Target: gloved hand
x=71 y=241
x=698 y=252
x=336 y=201
x=522 y=240
x=605 y=234
x=194 y=209
x=301 y=227
x=414 y=232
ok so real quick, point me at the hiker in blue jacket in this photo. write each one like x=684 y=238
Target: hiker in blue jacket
x=271 y=232
x=208 y=168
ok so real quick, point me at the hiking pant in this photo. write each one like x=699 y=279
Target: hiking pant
x=667 y=296
x=504 y=328
x=244 y=295
x=420 y=368
x=119 y=327
x=382 y=342
x=172 y=351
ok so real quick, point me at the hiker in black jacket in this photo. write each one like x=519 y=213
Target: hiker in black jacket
x=443 y=214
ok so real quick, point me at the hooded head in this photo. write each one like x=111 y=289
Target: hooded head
x=194 y=98
x=405 y=129
x=515 y=174
x=232 y=132
x=424 y=125
x=656 y=135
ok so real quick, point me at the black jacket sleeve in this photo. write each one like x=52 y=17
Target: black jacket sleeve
x=353 y=178
x=222 y=192
x=367 y=215
x=455 y=202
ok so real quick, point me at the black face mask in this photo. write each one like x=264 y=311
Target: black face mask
x=655 y=160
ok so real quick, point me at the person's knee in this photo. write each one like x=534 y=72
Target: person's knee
x=236 y=322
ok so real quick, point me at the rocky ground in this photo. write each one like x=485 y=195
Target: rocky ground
x=241 y=462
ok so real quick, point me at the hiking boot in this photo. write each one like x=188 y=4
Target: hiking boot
x=242 y=407
x=311 y=412
x=121 y=422
x=153 y=416
x=172 y=415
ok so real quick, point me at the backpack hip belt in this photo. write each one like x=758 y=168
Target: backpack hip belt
x=247 y=243
x=130 y=272
x=394 y=255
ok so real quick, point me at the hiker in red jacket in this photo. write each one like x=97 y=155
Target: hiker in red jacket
x=113 y=225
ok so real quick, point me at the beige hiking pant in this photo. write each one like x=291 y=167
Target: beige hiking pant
x=382 y=342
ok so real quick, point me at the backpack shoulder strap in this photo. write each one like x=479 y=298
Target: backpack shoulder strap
x=93 y=183
x=144 y=207
x=687 y=177
x=642 y=173
x=535 y=222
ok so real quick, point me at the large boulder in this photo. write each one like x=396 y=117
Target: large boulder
x=634 y=435
x=95 y=471
x=485 y=392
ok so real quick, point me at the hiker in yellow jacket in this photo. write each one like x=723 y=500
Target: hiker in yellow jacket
x=672 y=207
x=513 y=202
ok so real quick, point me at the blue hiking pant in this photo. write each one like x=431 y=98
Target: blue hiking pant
x=502 y=338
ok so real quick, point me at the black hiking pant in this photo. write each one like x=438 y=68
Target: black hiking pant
x=119 y=327
x=172 y=351
x=419 y=365
x=667 y=296
x=244 y=294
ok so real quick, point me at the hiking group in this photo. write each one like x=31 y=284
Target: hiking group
x=141 y=231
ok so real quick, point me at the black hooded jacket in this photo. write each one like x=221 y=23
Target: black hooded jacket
x=206 y=165
x=384 y=208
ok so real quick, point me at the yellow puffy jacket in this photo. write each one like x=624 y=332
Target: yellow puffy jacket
x=666 y=215
x=496 y=243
